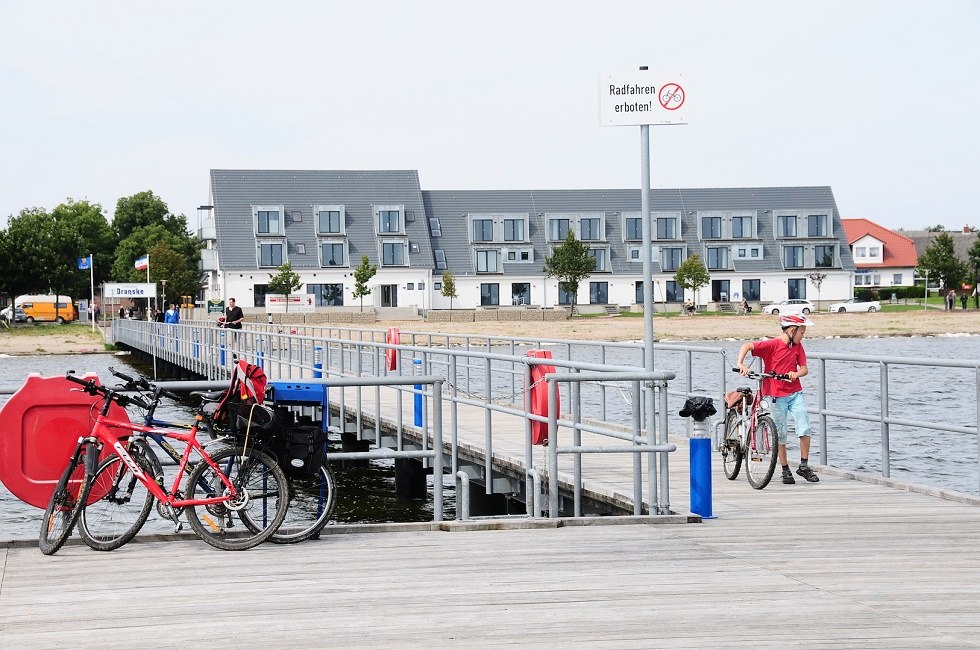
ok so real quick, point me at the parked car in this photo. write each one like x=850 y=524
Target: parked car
x=18 y=315
x=855 y=305
x=794 y=306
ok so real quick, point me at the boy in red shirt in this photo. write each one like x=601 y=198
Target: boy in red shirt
x=785 y=355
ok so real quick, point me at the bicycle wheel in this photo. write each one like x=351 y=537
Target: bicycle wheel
x=731 y=446
x=68 y=499
x=113 y=520
x=262 y=501
x=760 y=459
x=311 y=503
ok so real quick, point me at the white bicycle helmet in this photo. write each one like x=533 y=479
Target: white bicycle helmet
x=794 y=320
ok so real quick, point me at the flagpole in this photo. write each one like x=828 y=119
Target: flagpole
x=148 y=316
x=91 y=270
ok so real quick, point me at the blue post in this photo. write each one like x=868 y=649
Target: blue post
x=259 y=352
x=197 y=344
x=700 y=459
x=417 y=366
x=221 y=348
x=317 y=362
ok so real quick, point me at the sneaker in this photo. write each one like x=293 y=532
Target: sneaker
x=788 y=478
x=808 y=474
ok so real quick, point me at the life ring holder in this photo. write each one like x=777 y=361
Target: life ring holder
x=392 y=337
x=539 y=396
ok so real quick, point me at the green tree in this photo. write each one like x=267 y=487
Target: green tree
x=939 y=258
x=939 y=228
x=974 y=257
x=285 y=282
x=449 y=288
x=95 y=236
x=570 y=263
x=183 y=278
x=362 y=275
x=692 y=275
x=41 y=254
x=138 y=211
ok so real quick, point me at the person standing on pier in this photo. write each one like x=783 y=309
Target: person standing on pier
x=785 y=355
x=172 y=315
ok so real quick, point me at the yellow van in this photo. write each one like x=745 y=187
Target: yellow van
x=46 y=308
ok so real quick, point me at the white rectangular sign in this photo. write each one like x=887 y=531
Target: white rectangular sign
x=130 y=290
x=275 y=303
x=643 y=97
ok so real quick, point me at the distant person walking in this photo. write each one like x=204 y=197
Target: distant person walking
x=122 y=312
x=950 y=300
x=172 y=315
x=963 y=299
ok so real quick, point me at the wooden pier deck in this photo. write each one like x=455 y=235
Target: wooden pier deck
x=840 y=563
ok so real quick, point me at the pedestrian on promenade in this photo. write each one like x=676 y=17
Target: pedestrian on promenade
x=950 y=300
x=172 y=315
x=122 y=312
x=963 y=299
x=233 y=315
x=785 y=355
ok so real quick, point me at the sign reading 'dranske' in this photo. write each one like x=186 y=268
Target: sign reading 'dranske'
x=130 y=290
x=643 y=97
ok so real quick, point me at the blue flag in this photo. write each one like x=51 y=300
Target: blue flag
x=84 y=263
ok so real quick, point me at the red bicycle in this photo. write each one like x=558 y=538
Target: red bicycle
x=235 y=483
x=750 y=434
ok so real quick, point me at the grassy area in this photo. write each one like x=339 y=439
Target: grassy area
x=72 y=331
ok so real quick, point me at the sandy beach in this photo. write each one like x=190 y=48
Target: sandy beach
x=77 y=340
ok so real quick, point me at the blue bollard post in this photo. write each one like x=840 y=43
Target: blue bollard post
x=197 y=345
x=317 y=362
x=417 y=367
x=700 y=459
x=260 y=353
x=221 y=349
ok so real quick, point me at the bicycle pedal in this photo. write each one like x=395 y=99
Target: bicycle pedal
x=179 y=527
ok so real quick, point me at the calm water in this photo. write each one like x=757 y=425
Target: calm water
x=923 y=394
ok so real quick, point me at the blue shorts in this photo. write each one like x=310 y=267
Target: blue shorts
x=794 y=406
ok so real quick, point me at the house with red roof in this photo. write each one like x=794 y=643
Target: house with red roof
x=882 y=258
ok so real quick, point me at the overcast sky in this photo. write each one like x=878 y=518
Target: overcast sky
x=878 y=99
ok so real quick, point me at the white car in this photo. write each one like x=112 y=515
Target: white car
x=794 y=306
x=855 y=305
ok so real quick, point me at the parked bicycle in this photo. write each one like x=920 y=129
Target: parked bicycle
x=750 y=433
x=235 y=484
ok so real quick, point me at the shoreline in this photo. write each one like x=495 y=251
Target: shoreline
x=707 y=327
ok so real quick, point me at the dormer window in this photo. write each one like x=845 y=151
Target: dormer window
x=268 y=220
x=329 y=219
x=558 y=229
x=589 y=229
x=390 y=219
x=816 y=225
x=483 y=230
x=515 y=230
x=786 y=225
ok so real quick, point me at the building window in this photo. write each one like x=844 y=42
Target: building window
x=634 y=229
x=483 y=230
x=823 y=256
x=565 y=297
x=670 y=258
x=873 y=251
x=666 y=228
x=270 y=254
x=389 y=221
x=258 y=294
x=326 y=295
x=589 y=229
x=742 y=227
x=720 y=290
x=514 y=230
x=393 y=253
x=599 y=254
x=638 y=299
x=860 y=251
x=434 y=228
x=796 y=288
x=816 y=225
x=268 y=222
x=486 y=261
x=520 y=293
x=751 y=289
x=786 y=226
x=793 y=257
x=489 y=294
x=897 y=279
x=718 y=257
x=635 y=254
x=332 y=254
x=711 y=228
x=674 y=293
x=440 y=256
x=598 y=293
x=328 y=222
x=437 y=286
x=557 y=229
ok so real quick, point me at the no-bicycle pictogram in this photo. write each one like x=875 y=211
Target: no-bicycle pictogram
x=671 y=96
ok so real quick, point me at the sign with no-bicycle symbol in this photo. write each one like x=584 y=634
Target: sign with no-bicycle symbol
x=643 y=97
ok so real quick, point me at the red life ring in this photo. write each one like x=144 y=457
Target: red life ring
x=391 y=354
x=539 y=396
x=42 y=423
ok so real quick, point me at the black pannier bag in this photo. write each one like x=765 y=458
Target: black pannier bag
x=300 y=450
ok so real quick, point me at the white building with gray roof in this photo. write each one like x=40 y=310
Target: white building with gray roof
x=760 y=243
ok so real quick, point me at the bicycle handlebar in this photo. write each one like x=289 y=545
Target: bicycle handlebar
x=92 y=388
x=764 y=375
x=140 y=383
